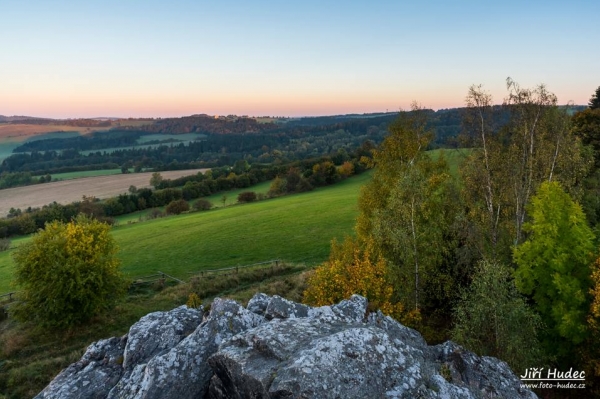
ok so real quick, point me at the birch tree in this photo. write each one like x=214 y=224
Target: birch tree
x=406 y=208
x=517 y=146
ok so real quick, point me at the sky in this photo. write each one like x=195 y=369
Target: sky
x=156 y=58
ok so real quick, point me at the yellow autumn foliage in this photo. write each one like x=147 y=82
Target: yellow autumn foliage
x=354 y=270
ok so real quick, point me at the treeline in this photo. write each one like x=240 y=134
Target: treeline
x=205 y=124
x=227 y=141
x=217 y=150
x=307 y=174
x=8 y=180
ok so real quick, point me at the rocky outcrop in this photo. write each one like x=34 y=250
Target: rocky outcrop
x=275 y=348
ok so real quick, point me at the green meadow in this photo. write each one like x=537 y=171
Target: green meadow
x=85 y=173
x=295 y=228
x=185 y=138
x=216 y=200
x=6 y=148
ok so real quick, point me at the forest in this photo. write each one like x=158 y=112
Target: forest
x=502 y=256
x=224 y=141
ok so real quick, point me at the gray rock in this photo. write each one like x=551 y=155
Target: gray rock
x=488 y=375
x=307 y=358
x=158 y=332
x=353 y=309
x=183 y=371
x=258 y=303
x=281 y=308
x=98 y=370
x=333 y=351
x=350 y=310
x=401 y=334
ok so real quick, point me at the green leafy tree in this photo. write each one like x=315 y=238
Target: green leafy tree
x=67 y=273
x=407 y=209
x=412 y=230
x=156 y=179
x=493 y=319
x=177 y=207
x=595 y=99
x=241 y=166
x=407 y=140
x=586 y=126
x=202 y=205
x=589 y=351
x=553 y=265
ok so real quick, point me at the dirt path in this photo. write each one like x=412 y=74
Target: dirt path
x=67 y=191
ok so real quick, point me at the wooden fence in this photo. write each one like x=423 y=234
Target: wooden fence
x=233 y=269
x=159 y=276
x=163 y=277
x=7 y=297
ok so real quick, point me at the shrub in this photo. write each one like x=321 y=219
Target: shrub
x=176 y=207
x=493 y=319
x=67 y=273
x=247 y=196
x=155 y=213
x=4 y=244
x=355 y=270
x=193 y=301
x=278 y=187
x=202 y=205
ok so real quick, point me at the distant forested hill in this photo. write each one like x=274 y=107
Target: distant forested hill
x=218 y=141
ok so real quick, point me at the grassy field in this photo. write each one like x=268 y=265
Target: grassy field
x=85 y=173
x=186 y=137
x=215 y=199
x=295 y=228
x=179 y=139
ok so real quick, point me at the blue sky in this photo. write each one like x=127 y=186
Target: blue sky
x=157 y=58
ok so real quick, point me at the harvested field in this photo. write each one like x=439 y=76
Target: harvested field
x=65 y=192
x=22 y=131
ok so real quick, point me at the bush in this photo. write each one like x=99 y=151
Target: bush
x=155 y=213
x=176 y=207
x=202 y=205
x=278 y=187
x=247 y=196
x=354 y=270
x=4 y=244
x=493 y=319
x=67 y=273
